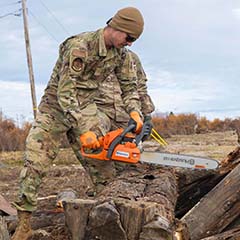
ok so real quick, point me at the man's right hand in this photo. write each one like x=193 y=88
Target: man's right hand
x=89 y=140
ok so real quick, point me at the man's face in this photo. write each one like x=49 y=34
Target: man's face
x=120 y=39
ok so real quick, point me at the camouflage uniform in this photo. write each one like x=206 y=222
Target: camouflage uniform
x=109 y=101
x=68 y=104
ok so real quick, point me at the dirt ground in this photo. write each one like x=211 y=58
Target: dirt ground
x=67 y=173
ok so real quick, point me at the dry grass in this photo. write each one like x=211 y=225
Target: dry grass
x=11 y=159
x=214 y=145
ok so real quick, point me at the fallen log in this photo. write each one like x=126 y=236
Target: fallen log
x=138 y=204
x=3 y=229
x=193 y=185
x=233 y=234
x=231 y=161
x=217 y=209
x=6 y=208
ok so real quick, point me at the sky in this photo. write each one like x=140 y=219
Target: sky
x=189 y=50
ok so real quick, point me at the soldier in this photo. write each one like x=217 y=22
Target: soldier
x=68 y=103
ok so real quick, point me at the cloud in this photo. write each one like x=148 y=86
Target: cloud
x=185 y=92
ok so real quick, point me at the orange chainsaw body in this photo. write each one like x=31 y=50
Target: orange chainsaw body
x=124 y=151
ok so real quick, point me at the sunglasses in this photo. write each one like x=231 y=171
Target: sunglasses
x=130 y=39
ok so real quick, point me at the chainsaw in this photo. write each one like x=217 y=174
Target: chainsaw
x=124 y=145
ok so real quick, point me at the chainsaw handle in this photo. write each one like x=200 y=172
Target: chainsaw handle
x=118 y=139
x=143 y=133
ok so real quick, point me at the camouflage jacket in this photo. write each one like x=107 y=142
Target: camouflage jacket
x=83 y=63
x=110 y=100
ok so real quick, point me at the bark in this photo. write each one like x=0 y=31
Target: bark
x=3 y=229
x=193 y=185
x=76 y=216
x=139 y=204
x=6 y=208
x=231 y=161
x=217 y=209
x=232 y=234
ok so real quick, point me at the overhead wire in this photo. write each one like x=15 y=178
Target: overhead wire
x=10 y=4
x=18 y=13
x=12 y=13
x=55 y=18
x=45 y=28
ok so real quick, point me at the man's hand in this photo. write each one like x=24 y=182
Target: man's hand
x=136 y=120
x=89 y=140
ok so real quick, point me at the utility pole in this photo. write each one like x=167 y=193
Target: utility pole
x=29 y=58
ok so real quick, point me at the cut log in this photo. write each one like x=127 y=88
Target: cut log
x=231 y=161
x=3 y=229
x=104 y=223
x=217 y=209
x=233 y=234
x=193 y=185
x=6 y=208
x=234 y=224
x=76 y=216
x=139 y=203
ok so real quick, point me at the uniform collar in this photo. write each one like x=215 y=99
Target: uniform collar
x=102 y=46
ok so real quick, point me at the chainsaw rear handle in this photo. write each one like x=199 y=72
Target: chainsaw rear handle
x=119 y=138
x=145 y=132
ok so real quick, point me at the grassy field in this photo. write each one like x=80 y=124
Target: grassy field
x=214 y=145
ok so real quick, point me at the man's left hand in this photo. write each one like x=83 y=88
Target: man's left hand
x=136 y=120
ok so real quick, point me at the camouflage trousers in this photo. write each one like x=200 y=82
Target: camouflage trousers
x=42 y=146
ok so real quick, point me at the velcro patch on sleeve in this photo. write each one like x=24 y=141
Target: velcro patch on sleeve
x=77 y=64
x=78 y=53
x=77 y=60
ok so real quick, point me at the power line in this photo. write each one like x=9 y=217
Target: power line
x=52 y=36
x=12 y=13
x=10 y=4
x=57 y=21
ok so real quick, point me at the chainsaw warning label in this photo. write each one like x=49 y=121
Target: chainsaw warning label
x=122 y=154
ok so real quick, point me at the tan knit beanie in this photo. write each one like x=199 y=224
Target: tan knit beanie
x=128 y=20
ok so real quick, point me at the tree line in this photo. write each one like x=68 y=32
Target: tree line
x=12 y=137
x=186 y=124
